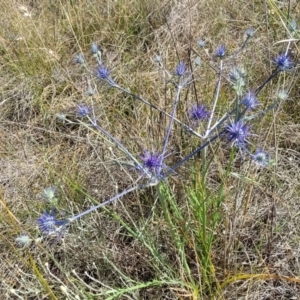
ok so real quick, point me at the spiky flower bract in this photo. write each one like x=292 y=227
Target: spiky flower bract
x=237 y=75
x=237 y=133
x=261 y=158
x=49 y=193
x=249 y=32
x=201 y=43
x=283 y=62
x=198 y=113
x=82 y=110
x=180 y=69
x=95 y=48
x=23 y=240
x=250 y=100
x=282 y=95
x=102 y=72
x=79 y=59
x=48 y=224
x=220 y=52
x=150 y=160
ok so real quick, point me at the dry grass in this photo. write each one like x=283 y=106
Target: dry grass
x=255 y=251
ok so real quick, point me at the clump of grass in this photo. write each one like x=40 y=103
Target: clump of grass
x=191 y=221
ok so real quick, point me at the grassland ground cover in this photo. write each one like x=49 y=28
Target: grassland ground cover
x=220 y=225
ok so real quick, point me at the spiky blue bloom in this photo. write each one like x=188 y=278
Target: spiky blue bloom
x=48 y=224
x=283 y=62
x=261 y=158
x=79 y=59
x=249 y=32
x=201 y=43
x=180 y=69
x=82 y=110
x=250 y=100
x=151 y=160
x=198 y=113
x=94 y=48
x=220 y=52
x=102 y=72
x=237 y=133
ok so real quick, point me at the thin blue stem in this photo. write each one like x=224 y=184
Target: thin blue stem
x=179 y=88
x=140 y=186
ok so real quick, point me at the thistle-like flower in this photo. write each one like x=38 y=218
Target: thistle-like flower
x=82 y=110
x=198 y=113
x=48 y=224
x=180 y=69
x=261 y=158
x=283 y=62
x=102 y=72
x=95 y=48
x=79 y=59
x=249 y=32
x=151 y=161
x=250 y=100
x=237 y=133
x=201 y=43
x=220 y=52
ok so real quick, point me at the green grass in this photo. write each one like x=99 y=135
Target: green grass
x=219 y=228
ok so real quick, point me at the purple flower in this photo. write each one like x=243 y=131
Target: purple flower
x=48 y=224
x=220 y=52
x=150 y=160
x=180 y=69
x=237 y=133
x=261 y=158
x=82 y=110
x=102 y=72
x=283 y=62
x=198 y=112
x=250 y=100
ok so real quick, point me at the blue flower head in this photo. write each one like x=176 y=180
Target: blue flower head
x=180 y=69
x=79 y=59
x=102 y=72
x=201 y=43
x=261 y=158
x=48 y=224
x=198 y=113
x=82 y=110
x=237 y=133
x=283 y=62
x=95 y=48
x=249 y=32
x=220 y=52
x=250 y=100
x=150 y=160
